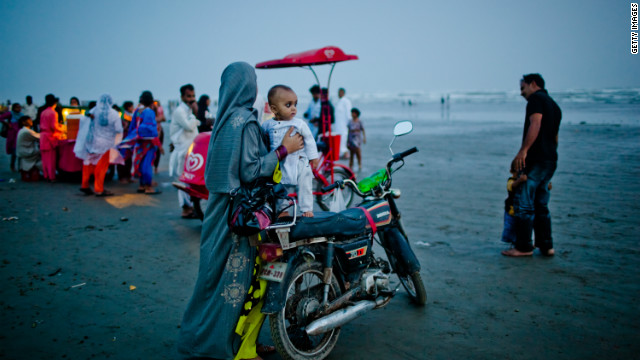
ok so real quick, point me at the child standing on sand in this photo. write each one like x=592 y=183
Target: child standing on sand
x=296 y=172
x=509 y=231
x=356 y=137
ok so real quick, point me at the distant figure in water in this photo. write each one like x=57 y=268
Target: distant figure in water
x=356 y=138
x=537 y=159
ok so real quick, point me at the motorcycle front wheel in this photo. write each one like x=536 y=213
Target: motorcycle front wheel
x=415 y=287
x=303 y=299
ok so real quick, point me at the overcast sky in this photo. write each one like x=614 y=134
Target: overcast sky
x=85 y=48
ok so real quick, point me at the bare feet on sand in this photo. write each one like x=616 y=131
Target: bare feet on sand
x=549 y=252
x=516 y=253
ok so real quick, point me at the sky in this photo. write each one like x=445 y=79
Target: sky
x=86 y=48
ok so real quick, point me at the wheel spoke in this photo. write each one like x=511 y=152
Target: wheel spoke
x=304 y=296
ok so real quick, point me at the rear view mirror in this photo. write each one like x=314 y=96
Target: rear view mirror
x=402 y=128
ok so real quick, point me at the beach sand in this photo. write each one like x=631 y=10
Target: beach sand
x=68 y=263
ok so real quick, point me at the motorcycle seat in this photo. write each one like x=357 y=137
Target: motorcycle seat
x=346 y=223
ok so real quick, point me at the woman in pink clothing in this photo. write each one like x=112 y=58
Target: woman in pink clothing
x=50 y=132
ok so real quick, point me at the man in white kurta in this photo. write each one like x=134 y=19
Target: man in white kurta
x=343 y=117
x=313 y=111
x=183 y=129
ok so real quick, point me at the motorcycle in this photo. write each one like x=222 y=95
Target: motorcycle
x=321 y=272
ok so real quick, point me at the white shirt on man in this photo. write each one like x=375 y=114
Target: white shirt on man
x=30 y=111
x=183 y=130
x=343 y=117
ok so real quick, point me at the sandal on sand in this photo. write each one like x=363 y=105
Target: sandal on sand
x=152 y=191
x=104 y=193
x=87 y=191
x=265 y=349
x=140 y=190
x=516 y=253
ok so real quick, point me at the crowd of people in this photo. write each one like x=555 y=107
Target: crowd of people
x=128 y=140
x=223 y=317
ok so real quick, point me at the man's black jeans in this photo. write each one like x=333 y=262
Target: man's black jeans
x=531 y=208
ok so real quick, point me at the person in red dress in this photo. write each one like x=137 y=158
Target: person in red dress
x=50 y=133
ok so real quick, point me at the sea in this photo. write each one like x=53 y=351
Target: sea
x=445 y=112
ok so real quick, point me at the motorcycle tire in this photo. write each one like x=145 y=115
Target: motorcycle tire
x=347 y=192
x=415 y=288
x=303 y=298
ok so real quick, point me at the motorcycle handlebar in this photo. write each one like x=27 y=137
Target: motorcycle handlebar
x=354 y=185
x=404 y=154
x=331 y=187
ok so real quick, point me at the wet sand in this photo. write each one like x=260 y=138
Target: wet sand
x=68 y=263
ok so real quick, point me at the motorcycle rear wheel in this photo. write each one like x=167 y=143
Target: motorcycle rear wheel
x=415 y=287
x=304 y=297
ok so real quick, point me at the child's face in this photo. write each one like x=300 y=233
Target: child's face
x=354 y=115
x=284 y=106
x=129 y=108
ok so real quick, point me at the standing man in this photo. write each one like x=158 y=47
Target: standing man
x=537 y=159
x=313 y=111
x=30 y=109
x=343 y=117
x=184 y=129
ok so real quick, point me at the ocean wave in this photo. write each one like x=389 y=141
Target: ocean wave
x=586 y=96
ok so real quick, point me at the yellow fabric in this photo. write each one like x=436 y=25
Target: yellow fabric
x=277 y=174
x=510 y=184
x=249 y=325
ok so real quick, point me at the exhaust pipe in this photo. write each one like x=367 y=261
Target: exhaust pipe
x=339 y=318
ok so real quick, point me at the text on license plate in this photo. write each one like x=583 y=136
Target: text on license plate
x=273 y=271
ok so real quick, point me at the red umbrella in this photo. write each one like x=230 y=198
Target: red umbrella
x=325 y=55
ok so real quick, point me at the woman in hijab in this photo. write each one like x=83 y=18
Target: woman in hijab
x=238 y=154
x=98 y=134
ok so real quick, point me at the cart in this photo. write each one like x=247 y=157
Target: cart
x=329 y=170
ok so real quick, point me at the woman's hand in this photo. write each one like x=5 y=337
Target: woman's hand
x=292 y=143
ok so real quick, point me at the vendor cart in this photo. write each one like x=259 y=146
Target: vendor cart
x=329 y=169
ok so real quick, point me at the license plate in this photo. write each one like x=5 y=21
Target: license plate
x=273 y=271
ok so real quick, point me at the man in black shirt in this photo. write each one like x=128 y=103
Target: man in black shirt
x=537 y=159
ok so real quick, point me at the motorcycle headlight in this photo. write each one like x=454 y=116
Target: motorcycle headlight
x=396 y=193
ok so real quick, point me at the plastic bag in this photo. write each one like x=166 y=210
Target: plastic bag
x=336 y=204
